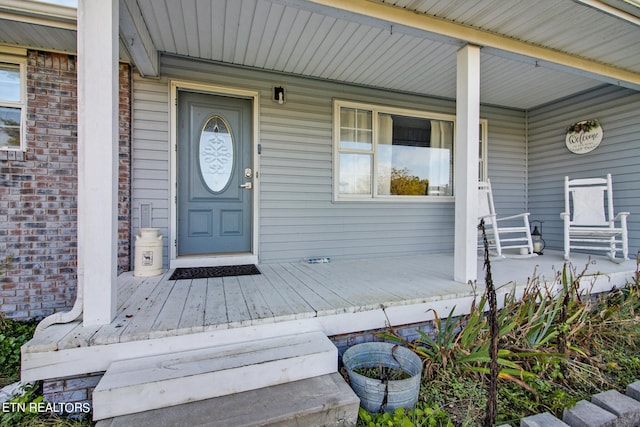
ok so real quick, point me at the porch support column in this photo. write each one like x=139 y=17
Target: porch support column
x=466 y=163
x=97 y=158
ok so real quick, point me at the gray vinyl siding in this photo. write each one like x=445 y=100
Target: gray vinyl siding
x=507 y=164
x=618 y=111
x=150 y=154
x=297 y=218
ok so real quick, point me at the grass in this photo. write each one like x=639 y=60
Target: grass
x=556 y=347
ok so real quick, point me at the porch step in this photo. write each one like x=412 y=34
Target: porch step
x=142 y=384
x=326 y=400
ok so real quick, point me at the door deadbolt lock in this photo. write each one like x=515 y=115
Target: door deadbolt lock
x=248 y=173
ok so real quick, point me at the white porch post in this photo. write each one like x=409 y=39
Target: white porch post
x=98 y=158
x=466 y=163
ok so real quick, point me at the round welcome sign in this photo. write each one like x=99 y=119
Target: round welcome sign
x=583 y=137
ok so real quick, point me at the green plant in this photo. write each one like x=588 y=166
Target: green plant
x=23 y=411
x=13 y=335
x=462 y=345
x=463 y=397
x=423 y=415
x=383 y=373
x=576 y=337
x=583 y=126
x=24 y=408
x=557 y=345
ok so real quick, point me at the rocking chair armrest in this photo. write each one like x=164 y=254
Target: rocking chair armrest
x=522 y=215
x=621 y=215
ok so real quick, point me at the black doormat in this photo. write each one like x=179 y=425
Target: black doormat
x=222 y=271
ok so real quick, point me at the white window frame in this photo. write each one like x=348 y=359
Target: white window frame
x=21 y=62
x=375 y=110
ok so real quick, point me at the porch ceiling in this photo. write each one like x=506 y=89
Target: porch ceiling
x=331 y=39
x=316 y=40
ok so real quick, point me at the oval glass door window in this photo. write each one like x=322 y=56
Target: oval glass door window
x=216 y=154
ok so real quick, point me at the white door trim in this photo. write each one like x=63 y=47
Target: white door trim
x=226 y=259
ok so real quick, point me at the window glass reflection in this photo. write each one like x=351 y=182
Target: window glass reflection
x=414 y=156
x=9 y=127
x=9 y=83
x=355 y=174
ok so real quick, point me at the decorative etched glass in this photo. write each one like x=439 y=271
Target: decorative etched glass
x=216 y=154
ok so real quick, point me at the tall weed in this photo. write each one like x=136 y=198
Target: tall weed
x=555 y=340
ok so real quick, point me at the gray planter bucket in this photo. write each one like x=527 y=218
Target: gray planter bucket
x=400 y=393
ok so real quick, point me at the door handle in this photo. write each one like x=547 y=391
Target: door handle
x=247 y=185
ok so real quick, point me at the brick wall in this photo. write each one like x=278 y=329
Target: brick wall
x=38 y=189
x=124 y=171
x=408 y=332
x=72 y=390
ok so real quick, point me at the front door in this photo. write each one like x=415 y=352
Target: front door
x=214 y=174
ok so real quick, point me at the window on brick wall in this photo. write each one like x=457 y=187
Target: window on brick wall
x=12 y=102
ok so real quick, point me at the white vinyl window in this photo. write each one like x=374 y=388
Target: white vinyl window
x=387 y=153
x=391 y=153
x=12 y=102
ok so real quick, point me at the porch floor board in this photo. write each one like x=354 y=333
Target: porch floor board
x=158 y=307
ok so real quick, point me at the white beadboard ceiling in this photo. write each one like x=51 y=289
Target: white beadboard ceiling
x=308 y=38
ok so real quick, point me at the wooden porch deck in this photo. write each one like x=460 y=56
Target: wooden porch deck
x=340 y=297
x=157 y=307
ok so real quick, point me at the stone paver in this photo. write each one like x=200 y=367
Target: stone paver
x=586 y=414
x=633 y=390
x=624 y=407
x=542 y=420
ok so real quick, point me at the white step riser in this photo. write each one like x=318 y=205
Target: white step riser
x=136 y=385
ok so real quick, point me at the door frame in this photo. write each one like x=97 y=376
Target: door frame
x=211 y=260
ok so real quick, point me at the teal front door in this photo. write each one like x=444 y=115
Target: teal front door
x=214 y=176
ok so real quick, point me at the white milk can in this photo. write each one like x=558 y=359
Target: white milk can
x=148 y=253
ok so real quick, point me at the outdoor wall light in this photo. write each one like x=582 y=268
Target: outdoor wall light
x=278 y=94
x=536 y=238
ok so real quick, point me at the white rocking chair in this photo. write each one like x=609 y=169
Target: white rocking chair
x=502 y=237
x=589 y=223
